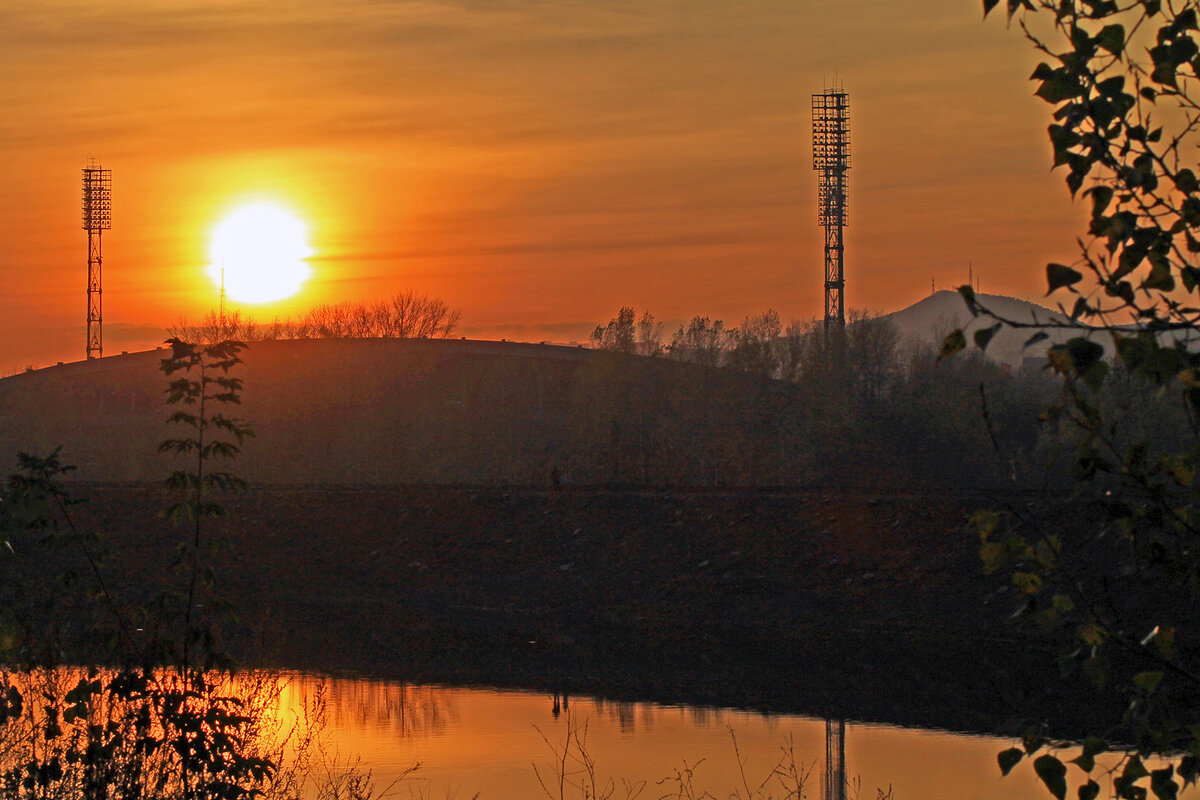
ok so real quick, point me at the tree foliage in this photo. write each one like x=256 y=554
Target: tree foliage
x=619 y=335
x=772 y=405
x=1122 y=584
x=755 y=344
x=702 y=341
x=158 y=716
x=404 y=315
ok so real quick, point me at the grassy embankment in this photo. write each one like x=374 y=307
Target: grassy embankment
x=868 y=606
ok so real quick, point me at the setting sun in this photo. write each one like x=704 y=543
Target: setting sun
x=259 y=251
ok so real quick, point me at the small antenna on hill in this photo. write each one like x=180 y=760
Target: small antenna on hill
x=932 y=290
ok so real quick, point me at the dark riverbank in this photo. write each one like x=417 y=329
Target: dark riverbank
x=865 y=605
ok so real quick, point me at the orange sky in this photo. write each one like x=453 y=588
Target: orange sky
x=535 y=164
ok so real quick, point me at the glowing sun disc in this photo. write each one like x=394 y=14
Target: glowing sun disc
x=261 y=248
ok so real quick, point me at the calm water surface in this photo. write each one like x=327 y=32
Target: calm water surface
x=497 y=742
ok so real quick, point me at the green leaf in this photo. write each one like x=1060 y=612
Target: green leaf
x=1190 y=210
x=1123 y=290
x=1092 y=634
x=1061 y=85
x=992 y=555
x=1013 y=5
x=1053 y=774
x=1028 y=582
x=1101 y=197
x=1094 y=375
x=1084 y=354
x=1040 y=336
x=1094 y=746
x=1147 y=682
x=1160 y=277
x=1096 y=670
x=1179 y=467
x=1112 y=39
x=953 y=343
x=1163 y=785
x=1134 y=770
x=968 y=295
x=1111 y=88
x=1164 y=641
x=983 y=337
x=1009 y=759
x=1059 y=275
x=985 y=523
x=1187 y=181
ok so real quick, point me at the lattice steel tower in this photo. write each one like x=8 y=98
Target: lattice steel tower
x=831 y=160
x=97 y=217
x=835 y=760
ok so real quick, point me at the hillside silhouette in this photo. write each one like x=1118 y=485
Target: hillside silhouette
x=388 y=411
x=764 y=408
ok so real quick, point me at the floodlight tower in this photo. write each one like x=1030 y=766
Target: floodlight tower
x=831 y=160
x=97 y=217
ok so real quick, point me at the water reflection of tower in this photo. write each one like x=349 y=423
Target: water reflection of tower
x=560 y=704
x=835 y=759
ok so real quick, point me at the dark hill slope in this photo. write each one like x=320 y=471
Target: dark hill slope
x=383 y=411
x=871 y=606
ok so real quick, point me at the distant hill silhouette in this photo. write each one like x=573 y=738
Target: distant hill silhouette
x=405 y=411
x=456 y=411
x=929 y=320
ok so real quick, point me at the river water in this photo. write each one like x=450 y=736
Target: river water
x=506 y=744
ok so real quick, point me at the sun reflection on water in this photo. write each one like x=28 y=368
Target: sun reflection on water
x=490 y=741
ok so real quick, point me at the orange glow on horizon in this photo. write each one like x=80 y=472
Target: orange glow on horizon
x=661 y=162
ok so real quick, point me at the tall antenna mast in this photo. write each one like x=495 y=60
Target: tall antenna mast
x=831 y=160
x=97 y=217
